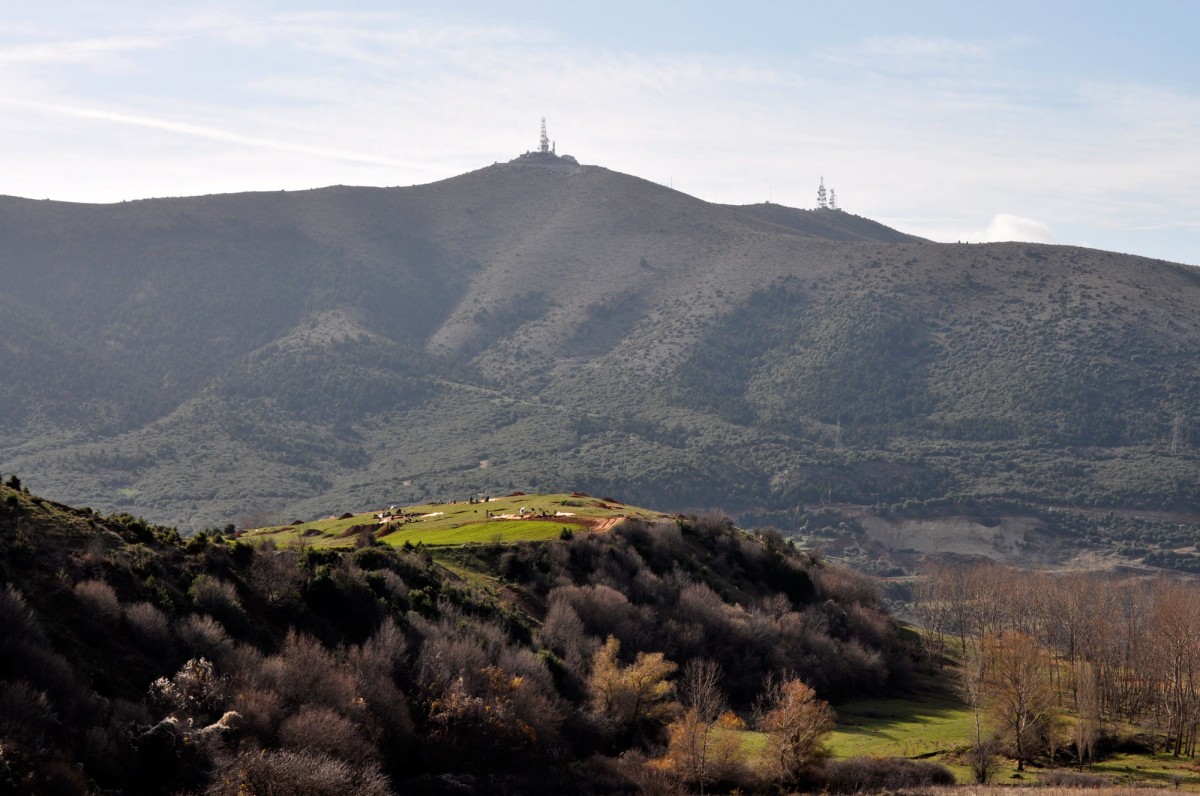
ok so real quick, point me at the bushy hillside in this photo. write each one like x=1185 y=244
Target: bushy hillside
x=134 y=661
x=266 y=356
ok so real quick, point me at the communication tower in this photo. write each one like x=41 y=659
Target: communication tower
x=832 y=200
x=822 y=203
x=544 y=146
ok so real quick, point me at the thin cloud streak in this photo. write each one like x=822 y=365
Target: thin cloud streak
x=211 y=133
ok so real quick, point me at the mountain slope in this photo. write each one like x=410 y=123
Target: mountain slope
x=212 y=359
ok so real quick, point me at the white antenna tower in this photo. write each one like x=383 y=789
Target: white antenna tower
x=544 y=146
x=832 y=200
x=821 y=203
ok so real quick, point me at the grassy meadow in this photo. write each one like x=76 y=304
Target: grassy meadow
x=938 y=727
x=461 y=522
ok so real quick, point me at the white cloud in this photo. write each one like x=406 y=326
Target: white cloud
x=1006 y=227
x=936 y=46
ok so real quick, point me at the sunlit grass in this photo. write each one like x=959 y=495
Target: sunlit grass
x=461 y=522
x=486 y=531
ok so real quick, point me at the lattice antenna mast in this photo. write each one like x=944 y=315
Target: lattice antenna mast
x=822 y=203
x=544 y=146
x=832 y=200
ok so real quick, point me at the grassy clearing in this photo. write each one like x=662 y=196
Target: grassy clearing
x=501 y=531
x=442 y=524
x=1008 y=790
x=900 y=727
x=934 y=725
x=1164 y=770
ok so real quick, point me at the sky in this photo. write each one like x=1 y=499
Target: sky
x=1051 y=121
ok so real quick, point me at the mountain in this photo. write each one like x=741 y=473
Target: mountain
x=540 y=324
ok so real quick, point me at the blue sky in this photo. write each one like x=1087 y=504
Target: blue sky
x=1064 y=122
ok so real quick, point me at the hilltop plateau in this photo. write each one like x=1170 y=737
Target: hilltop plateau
x=258 y=358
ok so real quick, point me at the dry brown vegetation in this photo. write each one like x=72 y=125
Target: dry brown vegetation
x=137 y=662
x=1110 y=651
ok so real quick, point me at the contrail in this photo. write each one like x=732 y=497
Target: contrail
x=214 y=134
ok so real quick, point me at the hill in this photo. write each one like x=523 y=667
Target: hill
x=138 y=662
x=257 y=358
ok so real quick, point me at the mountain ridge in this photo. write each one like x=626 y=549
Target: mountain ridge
x=225 y=356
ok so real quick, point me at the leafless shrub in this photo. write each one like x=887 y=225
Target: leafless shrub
x=382 y=654
x=700 y=604
x=261 y=711
x=446 y=658
x=321 y=730
x=388 y=707
x=148 y=622
x=16 y=620
x=99 y=599
x=1073 y=779
x=604 y=611
x=196 y=691
x=844 y=586
x=25 y=713
x=215 y=596
x=563 y=631
x=276 y=575
x=879 y=775
x=205 y=636
x=288 y=773
x=394 y=584
x=304 y=672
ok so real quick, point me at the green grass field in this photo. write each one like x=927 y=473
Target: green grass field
x=935 y=726
x=487 y=531
x=900 y=727
x=450 y=524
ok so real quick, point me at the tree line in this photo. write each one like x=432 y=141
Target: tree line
x=1105 y=649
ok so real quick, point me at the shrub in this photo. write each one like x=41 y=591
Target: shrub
x=205 y=636
x=194 y=692
x=99 y=599
x=16 y=620
x=879 y=775
x=215 y=596
x=377 y=557
x=304 y=672
x=148 y=623
x=1073 y=779
x=261 y=710
x=297 y=774
x=319 y=729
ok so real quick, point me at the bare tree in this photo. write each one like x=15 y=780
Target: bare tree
x=1087 y=713
x=795 y=722
x=704 y=702
x=982 y=754
x=1018 y=691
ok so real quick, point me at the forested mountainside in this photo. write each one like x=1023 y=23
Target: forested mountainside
x=134 y=661
x=207 y=360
